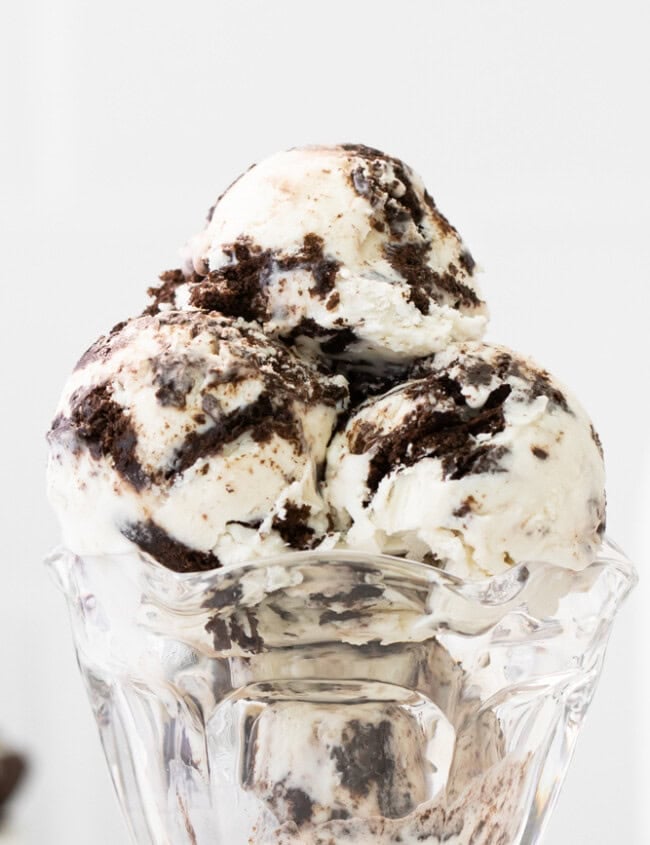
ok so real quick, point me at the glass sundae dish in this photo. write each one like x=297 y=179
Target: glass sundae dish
x=336 y=568
x=339 y=697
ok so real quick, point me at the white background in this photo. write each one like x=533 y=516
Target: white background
x=122 y=121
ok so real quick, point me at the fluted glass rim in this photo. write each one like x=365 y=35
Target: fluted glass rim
x=495 y=590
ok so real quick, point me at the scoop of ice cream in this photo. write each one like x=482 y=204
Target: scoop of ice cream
x=479 y=461
x=194 y=437
x=340 y=249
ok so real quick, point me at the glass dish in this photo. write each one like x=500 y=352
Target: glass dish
x=339 y=697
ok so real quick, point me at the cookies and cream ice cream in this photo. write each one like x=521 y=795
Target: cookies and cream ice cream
x=194 y=437
x=366 y=759
x=313 y=378
x=199 y=432
x=479 y=461
x=340 y=249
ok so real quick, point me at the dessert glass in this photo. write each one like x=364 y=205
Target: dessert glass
x=330 y=697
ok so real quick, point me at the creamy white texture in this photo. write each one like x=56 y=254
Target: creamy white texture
x=311 y=189
x=318 y=753
x=183 y=421
x=524 y=479
x=401 y=279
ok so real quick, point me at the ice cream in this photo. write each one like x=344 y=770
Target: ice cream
x=194 y=437
x=199 y=432
x=339 y=249
x=365 y=759
x=479 y=461
x=314 y=379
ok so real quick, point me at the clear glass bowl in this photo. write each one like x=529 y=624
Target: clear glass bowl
x=339 y=697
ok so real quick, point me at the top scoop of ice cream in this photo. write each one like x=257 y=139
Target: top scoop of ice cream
x=194 y=437
x=481 y=461
x=336 y=248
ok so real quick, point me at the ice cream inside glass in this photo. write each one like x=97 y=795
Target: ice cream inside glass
x=336 y=567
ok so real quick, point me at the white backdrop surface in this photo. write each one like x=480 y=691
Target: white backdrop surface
x=122 y=121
